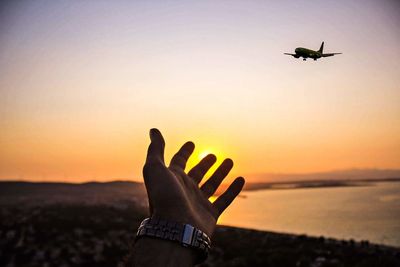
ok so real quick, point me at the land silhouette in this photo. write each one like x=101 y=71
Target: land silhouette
x=94 y=224
x=335 y=175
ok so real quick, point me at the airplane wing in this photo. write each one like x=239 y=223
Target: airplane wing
x=330 y=54
x=290 y=54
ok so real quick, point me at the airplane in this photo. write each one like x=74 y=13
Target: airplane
x=308 y=53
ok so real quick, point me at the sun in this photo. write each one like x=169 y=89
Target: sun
x=201 y=153
x=204 y=153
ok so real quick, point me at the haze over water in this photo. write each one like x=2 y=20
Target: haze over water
x=361 y=213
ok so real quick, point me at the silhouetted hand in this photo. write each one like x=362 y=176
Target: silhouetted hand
x=175 y=195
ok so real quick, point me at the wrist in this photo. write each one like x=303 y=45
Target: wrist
x=177 y=233
x=157 y=252
x=206 y=223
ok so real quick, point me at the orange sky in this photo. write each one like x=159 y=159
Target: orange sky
x=82 y=83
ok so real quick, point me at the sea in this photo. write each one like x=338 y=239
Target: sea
x=370 y=212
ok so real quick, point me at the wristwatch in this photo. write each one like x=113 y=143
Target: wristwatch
x=185 y=234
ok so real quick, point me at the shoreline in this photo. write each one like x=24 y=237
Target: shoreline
x=93 y=225
x=249 y=186
x=315 y=184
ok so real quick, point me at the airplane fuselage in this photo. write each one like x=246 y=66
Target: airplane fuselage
x=307 y=53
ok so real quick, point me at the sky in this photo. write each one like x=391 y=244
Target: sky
x=82 y=82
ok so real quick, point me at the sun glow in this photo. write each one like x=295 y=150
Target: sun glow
x=212 y=199
x=77 y=116
x=204 y=153
x=201 y=153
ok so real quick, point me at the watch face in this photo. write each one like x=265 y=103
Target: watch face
x=187 y=237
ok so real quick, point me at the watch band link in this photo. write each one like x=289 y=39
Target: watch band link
x=185 y=234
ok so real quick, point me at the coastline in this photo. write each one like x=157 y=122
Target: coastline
x=101 y=235
x=314 y=184
x=95 y=225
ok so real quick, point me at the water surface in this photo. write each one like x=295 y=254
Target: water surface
x=361 y=212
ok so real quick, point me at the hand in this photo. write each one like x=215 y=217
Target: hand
x=175 y=195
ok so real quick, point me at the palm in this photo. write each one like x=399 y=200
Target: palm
x=176 y=195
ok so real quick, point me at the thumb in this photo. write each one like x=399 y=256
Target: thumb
x=155 y=152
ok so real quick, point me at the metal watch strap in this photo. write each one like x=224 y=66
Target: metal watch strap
x=185 y=234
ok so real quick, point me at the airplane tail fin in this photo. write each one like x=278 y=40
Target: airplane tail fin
x=321 y=49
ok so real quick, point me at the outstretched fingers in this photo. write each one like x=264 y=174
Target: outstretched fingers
x=211 y=185
x=229 y=195
x=180 y=159
x=198 y=171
